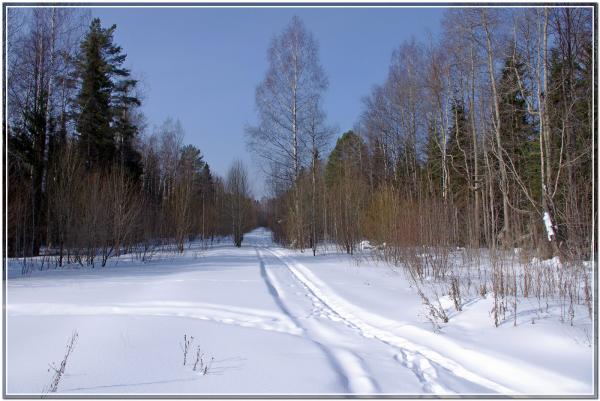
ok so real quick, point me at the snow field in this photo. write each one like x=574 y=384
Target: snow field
x=276 y=322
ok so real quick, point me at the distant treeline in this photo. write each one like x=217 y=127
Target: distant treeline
x=84 y=183
x=482 y=138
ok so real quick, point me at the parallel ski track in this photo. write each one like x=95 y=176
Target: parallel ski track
x=349 y=366
x=420 y=359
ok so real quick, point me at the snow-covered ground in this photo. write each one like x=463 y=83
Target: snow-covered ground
x=276 y=322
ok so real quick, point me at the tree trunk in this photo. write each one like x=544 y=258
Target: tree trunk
x=497 y=130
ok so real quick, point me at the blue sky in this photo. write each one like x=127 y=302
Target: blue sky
x=202 y=65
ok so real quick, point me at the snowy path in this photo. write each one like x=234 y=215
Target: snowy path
x=275 y=321
x=330 y=310
x=347 y=363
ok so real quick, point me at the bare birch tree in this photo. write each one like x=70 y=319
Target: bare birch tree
x=286 y=99
x=486 y=25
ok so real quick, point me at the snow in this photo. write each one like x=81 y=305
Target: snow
x=364 y=245
x=276 y=321
x=548 y=224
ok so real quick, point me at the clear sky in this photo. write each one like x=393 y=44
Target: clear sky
x=202 y=65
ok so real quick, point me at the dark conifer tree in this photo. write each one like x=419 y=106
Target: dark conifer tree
x=348 y=157
x=517 y=131
x=433 y=162
x=459 y=151
x=521 y=148
x=28 y=144
x=346 y=176
x=104 y=127
x=125 y=130
x=572 y=126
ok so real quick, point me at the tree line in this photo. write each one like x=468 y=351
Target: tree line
x=86 y=179
x=482 y=138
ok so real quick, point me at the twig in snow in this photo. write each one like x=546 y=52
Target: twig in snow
x=199 y=356
x=60 y=371
x=185 y=347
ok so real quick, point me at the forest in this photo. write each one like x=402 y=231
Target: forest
x=482 y=139
x=442 y=243
x=83 y=182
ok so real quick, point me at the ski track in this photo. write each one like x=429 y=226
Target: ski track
x=245 y=317
x=349 y=367
x=419 y=359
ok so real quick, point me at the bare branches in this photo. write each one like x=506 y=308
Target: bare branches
x=238 y=200
x=59 y=371
x=291 y=131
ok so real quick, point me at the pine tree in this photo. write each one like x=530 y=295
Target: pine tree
x=192 y=163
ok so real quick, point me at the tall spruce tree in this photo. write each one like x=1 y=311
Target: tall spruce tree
x=104 y=125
